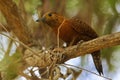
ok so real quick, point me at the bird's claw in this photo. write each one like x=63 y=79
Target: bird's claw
x=80 y=42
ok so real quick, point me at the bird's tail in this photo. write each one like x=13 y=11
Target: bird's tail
x=97 y=62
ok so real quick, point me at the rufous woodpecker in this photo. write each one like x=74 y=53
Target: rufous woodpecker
x=72 y=31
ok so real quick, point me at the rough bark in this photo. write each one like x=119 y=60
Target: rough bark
x=61 y=55
x=14 y=20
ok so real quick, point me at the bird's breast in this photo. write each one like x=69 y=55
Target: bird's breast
x=67 y=33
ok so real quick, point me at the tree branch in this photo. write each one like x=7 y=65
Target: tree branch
x=14 y=20
x=92 y=45
x=46 y=58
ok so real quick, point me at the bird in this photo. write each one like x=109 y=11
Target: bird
x=72 y=31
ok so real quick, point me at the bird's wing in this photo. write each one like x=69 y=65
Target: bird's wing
x=82 y=28
x=85 y=30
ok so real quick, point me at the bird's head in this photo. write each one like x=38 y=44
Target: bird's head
x=52 y=19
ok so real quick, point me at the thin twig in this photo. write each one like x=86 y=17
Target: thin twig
x=87 y=71
x=6 y=31
x=4 y=28
x=21 y=44
x=58 y=33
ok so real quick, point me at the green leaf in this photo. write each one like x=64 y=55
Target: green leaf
x=10 y=66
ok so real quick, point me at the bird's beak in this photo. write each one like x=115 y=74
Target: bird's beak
x=38 y=20
x=41 y=19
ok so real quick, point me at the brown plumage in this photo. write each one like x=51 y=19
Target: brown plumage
x=72 y=31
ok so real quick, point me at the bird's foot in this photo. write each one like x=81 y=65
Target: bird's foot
x=80 y=42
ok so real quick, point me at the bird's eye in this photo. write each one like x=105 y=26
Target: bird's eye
x=50 y=14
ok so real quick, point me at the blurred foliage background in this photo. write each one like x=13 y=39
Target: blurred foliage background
x=102 y=15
